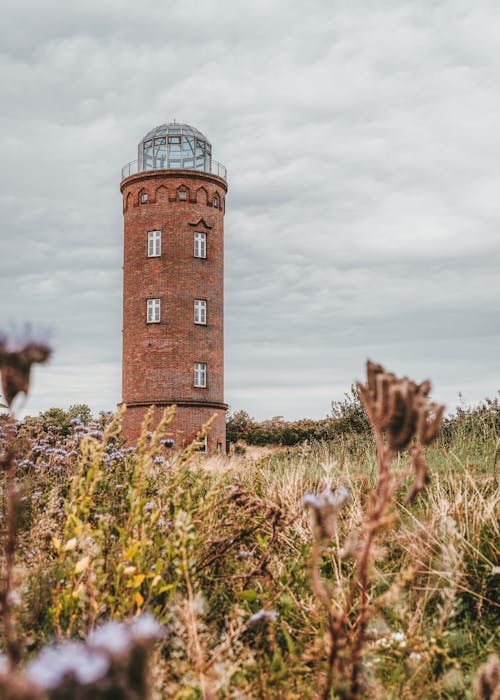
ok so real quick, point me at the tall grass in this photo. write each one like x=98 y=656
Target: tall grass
x=220 y=550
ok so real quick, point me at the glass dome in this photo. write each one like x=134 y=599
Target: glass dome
x=174 y=147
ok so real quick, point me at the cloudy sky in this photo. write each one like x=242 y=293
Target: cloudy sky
x=363 y=153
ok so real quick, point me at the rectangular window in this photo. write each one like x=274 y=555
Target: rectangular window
x=153 y=311
x=200 y=245
x=200 y=374
x=144 y=197
x=200 y=311
x=154 y=244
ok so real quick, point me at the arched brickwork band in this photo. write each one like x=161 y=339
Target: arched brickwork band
x=173 y=305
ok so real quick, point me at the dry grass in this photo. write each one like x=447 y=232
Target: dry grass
x=219 y=550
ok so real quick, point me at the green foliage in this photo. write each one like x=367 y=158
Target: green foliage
x=60 y=422
x=208 y=544
x=347 y=418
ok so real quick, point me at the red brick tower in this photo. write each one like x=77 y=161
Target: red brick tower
x=173 y=304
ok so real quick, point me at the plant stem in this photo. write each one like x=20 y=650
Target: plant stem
x=383 y=493
x=9 y=546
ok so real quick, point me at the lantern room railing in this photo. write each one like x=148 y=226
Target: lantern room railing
x=208 y=166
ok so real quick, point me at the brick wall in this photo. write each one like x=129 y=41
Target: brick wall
x=184 y=427
x=158 y=358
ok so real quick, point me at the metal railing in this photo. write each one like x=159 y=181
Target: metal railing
x=213 y=167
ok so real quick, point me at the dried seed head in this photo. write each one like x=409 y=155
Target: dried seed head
x=399 y=407
x=15 y=365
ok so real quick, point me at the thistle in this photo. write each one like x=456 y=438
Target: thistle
x=16 y=363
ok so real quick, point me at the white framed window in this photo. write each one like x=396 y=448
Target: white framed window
x=215 y=201
x=144 y=197
x=200 y=311
x=153 y=311
x=182 y=195
x=200 y=245
x=154 y=244
x=200 y=374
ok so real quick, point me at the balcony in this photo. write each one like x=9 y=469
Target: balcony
x=210 y=166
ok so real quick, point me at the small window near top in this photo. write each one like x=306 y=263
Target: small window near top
x=154 y=244
x=200 y=375
x=200 y=245
x=219 y=447
x=215 y=201
x=144 y=197
x=153 y=311
x=200 y=312
x=182 y=195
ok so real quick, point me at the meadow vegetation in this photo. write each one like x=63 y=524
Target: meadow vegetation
x=331 y=568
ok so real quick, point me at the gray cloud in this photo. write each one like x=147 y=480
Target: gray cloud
x=362 y=149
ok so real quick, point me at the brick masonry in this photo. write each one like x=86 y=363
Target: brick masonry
x=158 y=358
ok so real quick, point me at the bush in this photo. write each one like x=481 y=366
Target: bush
x=347 y=418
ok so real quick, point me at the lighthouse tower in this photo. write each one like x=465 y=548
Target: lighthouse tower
x=173 y=342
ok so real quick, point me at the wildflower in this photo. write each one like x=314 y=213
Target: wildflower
x=487 y=680
x=111 y=663
x=14 y=598
x=324 y=508
x=68 y=662
x=112 y=637
x=263 y=616
x=145 y=629
x=399 y=638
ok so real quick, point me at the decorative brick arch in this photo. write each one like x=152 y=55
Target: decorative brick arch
x=201 y=195
x=161 y=194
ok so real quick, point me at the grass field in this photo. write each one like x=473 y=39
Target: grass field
x=222 y=552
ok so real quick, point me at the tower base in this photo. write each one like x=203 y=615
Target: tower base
x=183 y=429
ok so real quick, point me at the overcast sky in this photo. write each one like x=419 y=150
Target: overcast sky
x=363 y=153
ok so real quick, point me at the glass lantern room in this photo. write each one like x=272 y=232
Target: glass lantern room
x=174 y=147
